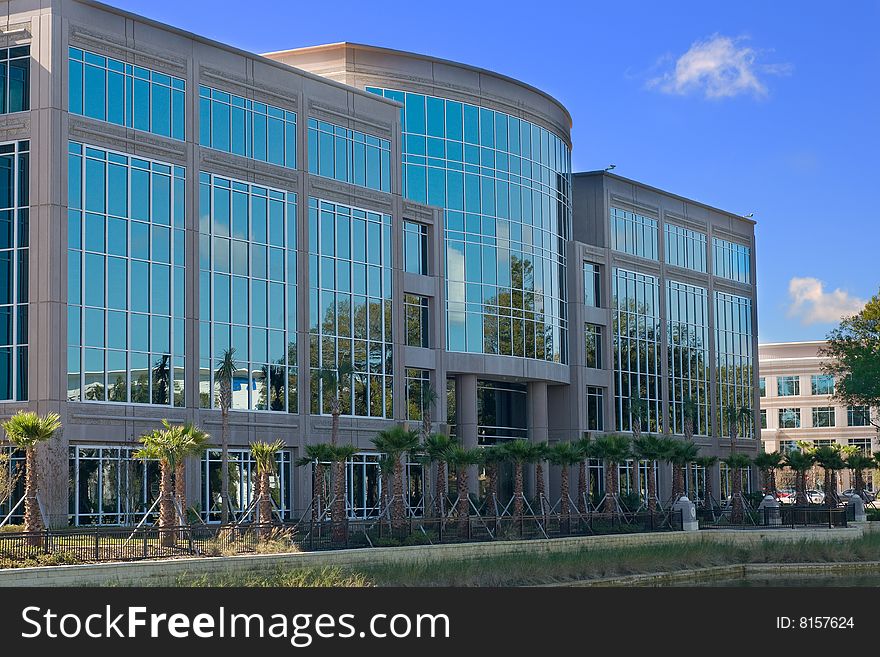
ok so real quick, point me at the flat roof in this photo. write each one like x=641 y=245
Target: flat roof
x=664 y=192
x=240 y=51
x=415 y=55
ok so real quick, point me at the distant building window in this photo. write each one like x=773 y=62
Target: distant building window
x=15 y=67
x=595 y=408
x=732 y=260
x=789 y=418
x=417 y=326
x=762 y=387
x=823 y=416
x=763 y=418
x=788 y=386
x=788 y=446
x=593 y=340
x=633 y=233
x=592 y=285
x=822 y=384
x=415 y=248
x=685 y=248
x=349 y=155
x=858 y=416
x=862 y=444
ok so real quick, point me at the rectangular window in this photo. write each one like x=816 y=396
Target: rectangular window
x=415 y=248
x=247 y=251
x=15 y=78
x=732 y=260
x=593 y=345
x=789 y=418
x=823 y=416
x=595 y=408
x=349 y=156
x=633 y=233
x=14 y=270
x=110 y=90
x=126 y=293
x=687 y=340
x=685 y=248
x=417 y=326
x=762 y=387
x=858 y=416
x=243 y=472
x=592 y=285
x=763 y=418
x=861 y=444
x=788 y=386
x=786 y=446
x=822 y=384
x=350 y=317
x=418 y=383
x=734 y=360
x=246 y=127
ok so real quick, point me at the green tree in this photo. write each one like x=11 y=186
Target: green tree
x=612 y=449
x=264 y=458
x=25 y=430
x=317 y=455
x=650 y=448
x=565 y=455
x=194 y=441
x=830 y=459
x=397 y=442
x=852 y=357
x=331 y=383
x=680 y=453
x=768 y=463
x=707 y=463
x=339 y=454
x=586 y=448
x=800 y=461
x=224 y=376
x=541 y=454
x=493 y=456
x=168 y=446
x=435 y=448
x=519 y=452
x=735 y=464
x=461 y=460
x=858 y=462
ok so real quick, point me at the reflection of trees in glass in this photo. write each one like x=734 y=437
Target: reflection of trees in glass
x=688 y=376
x=95 y=392
x=636 y=359
x=734 y=391
x=272 y=395
x=161 y=379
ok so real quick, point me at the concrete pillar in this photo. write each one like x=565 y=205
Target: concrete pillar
x=538 y=432
x=466 y=409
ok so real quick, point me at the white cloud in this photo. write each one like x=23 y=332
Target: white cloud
x=814 y=305
x=718 y=67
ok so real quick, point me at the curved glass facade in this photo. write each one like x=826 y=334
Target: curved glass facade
x=505 y=184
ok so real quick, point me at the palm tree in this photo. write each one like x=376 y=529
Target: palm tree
x=707 y=463
x=317 y=455
x=680 y=453
x=541 y=454
x=613 y=449
x=167 y=446
x=461 y=459
x=736 y=416
x=735 y=464
x=493 y=456
x=858 y=462
x=339 y=454
x=334 y=381
x=194 y=441
x=800 y=461
x=435 y=447
x=650 y=448
x=564 y=455
x=829 y=458
x=224 y=375
x=638 y=415
x=397 y=442
x=428 y=398
x=768 y=463
x=25 y=430
x=519 y=452
x=585 y=446
x=264 y=458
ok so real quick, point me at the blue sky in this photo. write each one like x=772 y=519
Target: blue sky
x=750 y=106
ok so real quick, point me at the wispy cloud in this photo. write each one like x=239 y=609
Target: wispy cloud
x=812 y=304
x=718 y=67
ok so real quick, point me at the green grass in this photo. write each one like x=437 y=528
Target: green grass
x=523 y=569
x=38 y=559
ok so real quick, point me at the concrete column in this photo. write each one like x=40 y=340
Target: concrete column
x=538 y=432
x=466 y=409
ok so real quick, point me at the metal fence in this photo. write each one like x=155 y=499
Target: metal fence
x=784 y=516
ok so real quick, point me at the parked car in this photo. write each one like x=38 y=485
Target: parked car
x=867 y=495
x=815 y=496
x=786 y=496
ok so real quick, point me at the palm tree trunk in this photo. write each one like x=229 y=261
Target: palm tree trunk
x=492 y=476
x=180 y=488
x=33 y=518
x=318 y=492
x=398 y=511
x=337 y=510
x=860 y=481
x=610 y=490
x=440 y=489
x=652 y=490
x=827 y=488
x=582 y=487
x=224 y=467
x=518 y=490
x=463 y=500
x=563 y=489
x=736 y=494
x=265 y=505
x=166 y=505
x=540 y=490
x=634 y=487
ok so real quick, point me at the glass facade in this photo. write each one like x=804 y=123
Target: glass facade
x=14 y=269
x=762 y=387
x=592 y=285
x=350 y=313
x=636 y=346
x=633 y=234
x=505 y=186
x=418 y=329
x=415 y=248
x=109 y=90
x=822 y=384
x=126 y=282
x=687 y=331
x=363 y=486
x=788 y=386
x=685 y=248
x=15 y=79
x=734 y=367
x=417 y=382
x=246 y=127
x=12 y=462
x=243 y=480
x=732 y=260
x=247 y=292
x=109 y=486
x=595 y=408
x=502 y=411
x=349 y=156
x=593 y=345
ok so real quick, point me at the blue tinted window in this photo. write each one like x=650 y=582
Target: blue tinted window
x=349 y=155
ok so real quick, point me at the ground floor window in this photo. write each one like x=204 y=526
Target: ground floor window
x=695 y=482
x=625 y=481
x=109 y=486
x=12 y=464
x=726 y=488
x=243 y=484
x=363 y=486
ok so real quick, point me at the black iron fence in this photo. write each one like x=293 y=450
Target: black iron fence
x=784 y=516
